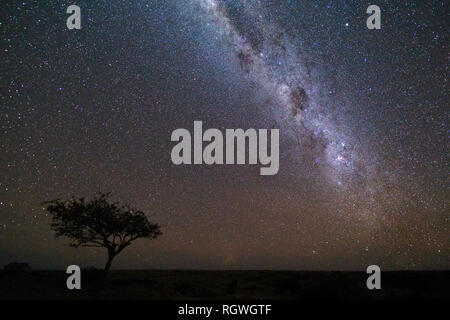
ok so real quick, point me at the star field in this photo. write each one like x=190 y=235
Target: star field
x=363 y=119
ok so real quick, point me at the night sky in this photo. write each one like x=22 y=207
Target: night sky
x=363 y=118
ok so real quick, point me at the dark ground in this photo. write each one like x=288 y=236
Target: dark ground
x=186 y=284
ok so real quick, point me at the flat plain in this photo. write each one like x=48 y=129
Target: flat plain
x=229 y=285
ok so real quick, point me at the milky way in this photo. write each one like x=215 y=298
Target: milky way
x=265 y=53
x=362 y=116
x=270 y=58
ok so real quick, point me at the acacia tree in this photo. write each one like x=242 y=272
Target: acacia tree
x=100 y=223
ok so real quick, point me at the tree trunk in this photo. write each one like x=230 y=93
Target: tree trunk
x=108 y=265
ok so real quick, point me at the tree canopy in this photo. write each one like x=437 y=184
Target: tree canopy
x=100 y=223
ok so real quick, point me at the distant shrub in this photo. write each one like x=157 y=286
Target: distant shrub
x=17 y=266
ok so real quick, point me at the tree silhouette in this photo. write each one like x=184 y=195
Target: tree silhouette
x=100 y=223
